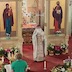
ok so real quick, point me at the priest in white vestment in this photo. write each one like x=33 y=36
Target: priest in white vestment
x=38 y=39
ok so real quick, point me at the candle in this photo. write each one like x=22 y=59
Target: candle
x=71 y=63
x=2 y=59
x=12 y=55
x=44 y=65
x=28 y=68
x=9 y=55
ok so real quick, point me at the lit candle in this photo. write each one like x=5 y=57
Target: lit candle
x=44 y=65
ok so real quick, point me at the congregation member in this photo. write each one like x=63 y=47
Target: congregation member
x=19 y=65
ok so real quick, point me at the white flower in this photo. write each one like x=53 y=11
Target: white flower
x=67 y=63
x=66 y=71
x=53 y=47
x=55 y=70
x=16 y=50
x=63 y=46
x=63 y=69
x=1 y=48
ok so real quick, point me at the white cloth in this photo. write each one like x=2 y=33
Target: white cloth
x=8 y=68
x=34 y=40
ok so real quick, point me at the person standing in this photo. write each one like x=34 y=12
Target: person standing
x=57 y=15
x=19 y=65
x=8 y=19
x=38 y=44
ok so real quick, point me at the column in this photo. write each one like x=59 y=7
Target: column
x=19 y=22
x=46 y=24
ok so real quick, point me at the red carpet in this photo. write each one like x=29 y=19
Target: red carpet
x=51 y=60
x=70 y=46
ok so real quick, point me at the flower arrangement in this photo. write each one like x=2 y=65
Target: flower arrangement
x=50 y=47
x=59 y=68
x=14 y=50
x=67 y=62
x=63 y=47
x=2 y=69
x=5 y=52
x=1 y=51
x=66 y=67
x=57 y=49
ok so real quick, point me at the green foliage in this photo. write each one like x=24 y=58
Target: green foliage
x=58 y=52
x=67 y=65
x=1 y=51
x=59 y=68
x=3 y=69
x=50 y=47
x=14 y=50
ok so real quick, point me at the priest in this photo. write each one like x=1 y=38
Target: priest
x=38 y=39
